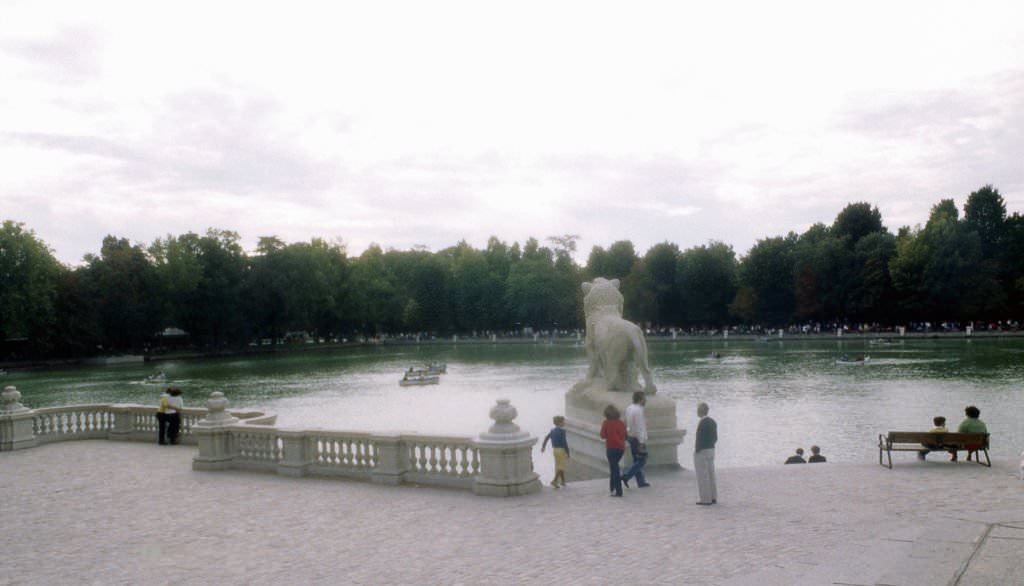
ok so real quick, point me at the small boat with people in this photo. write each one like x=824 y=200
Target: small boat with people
x=156 y=378
x=437 y=367
x=860 y=359
x=414 y=378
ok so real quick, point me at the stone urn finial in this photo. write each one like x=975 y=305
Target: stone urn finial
x=11 y=397
x=503 y=413
x=217 y=405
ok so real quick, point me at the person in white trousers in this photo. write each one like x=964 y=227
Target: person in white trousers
x=704 y=456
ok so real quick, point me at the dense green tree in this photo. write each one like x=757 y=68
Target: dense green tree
x=299 y=287
x=377 y=299
x=477 y=293
x=202 y=278
x=77 y=331
x=538 y=293
x=423 y=277
x=569 y=309
x=824 y=275
x=614 y=263
x=1013 y=264
x=933 y=266
x=872 y=297
x=985 y=213
x=856 y=221
x=853 y=270
x=652 y=294
x=706 y=278
x=638 y=290
x=123 y=285
x=29 y=275
x=767 y=271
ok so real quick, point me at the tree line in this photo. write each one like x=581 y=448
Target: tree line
x=853 y=271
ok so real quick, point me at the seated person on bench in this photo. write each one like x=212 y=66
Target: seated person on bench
x=940 y=427
x=970 y=425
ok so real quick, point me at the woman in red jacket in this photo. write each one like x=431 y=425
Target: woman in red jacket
x=613 y=430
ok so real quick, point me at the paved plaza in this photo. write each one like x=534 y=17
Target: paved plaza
x=104 y=512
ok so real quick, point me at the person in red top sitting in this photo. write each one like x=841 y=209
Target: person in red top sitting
x=613 y=430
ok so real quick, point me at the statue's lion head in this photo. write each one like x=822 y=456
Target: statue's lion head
x=602 y=296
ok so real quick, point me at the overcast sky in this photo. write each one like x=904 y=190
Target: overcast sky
x=426 y=123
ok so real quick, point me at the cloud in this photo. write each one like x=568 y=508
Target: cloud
x=202 y=140
x=70 y=56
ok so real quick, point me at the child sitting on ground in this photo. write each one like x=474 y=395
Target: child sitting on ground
x=560 y=448
x=816 y=456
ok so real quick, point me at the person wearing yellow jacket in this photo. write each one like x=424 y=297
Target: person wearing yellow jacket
x=161 y=418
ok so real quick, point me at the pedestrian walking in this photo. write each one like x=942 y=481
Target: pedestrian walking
x=560 y=449
x=636 y=435
x=613 y=431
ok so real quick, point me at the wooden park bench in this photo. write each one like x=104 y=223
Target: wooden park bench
x=917 y=441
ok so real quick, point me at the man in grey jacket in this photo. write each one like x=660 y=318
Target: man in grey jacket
x=704 y=456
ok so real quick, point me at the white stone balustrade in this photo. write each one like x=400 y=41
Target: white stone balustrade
x=499 y=463
x=21 y=427
x=15 y=422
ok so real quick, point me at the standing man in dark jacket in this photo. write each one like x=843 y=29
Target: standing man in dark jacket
x=704 y=456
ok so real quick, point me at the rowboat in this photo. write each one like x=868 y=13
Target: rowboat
x=860 y=360
x=419 y=379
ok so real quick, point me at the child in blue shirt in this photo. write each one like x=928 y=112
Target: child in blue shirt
x=560 y=448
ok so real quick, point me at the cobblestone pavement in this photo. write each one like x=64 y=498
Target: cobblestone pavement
x=103 y=512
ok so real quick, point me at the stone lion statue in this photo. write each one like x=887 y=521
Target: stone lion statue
x=616 y=348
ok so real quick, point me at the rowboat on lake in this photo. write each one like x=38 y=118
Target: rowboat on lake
x=860 y=360
x=418 y=378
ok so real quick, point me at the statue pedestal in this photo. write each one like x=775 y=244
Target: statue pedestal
x=584 y=413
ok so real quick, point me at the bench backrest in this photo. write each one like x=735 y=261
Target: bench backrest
x=944 y=438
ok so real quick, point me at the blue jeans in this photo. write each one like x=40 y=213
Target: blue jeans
x=639 y=461
x=614 y=480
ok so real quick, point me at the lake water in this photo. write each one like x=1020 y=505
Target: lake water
x=768 y=398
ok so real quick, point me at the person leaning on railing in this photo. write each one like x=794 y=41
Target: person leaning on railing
x=161 y=418
x=173 y=411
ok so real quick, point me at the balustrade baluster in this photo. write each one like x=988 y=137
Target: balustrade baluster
x=460 y=468
x=443 y=462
